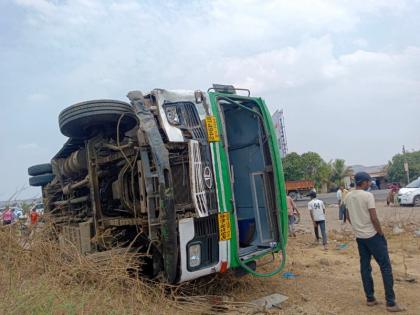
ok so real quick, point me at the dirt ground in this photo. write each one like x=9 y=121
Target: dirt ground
x=45 y=280
x=328 y=282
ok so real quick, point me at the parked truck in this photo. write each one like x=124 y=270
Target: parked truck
x=190 y=180
x=298 y=189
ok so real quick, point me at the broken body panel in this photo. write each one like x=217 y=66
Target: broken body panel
x=196 y=186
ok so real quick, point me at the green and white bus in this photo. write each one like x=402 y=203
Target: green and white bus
x=190 y=180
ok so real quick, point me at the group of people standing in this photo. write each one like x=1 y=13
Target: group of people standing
x=9 y=216
x=356 y=206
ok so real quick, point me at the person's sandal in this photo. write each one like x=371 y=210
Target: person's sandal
x=372 y=303
x=395 y=309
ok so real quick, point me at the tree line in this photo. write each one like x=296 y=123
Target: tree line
x=396 y=171
x=310 y=165
x=329 y=175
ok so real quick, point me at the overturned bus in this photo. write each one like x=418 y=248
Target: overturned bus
x=190 y=180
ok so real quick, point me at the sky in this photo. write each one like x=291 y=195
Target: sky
x=346 y=73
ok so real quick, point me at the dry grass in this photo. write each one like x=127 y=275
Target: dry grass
x=37 y=276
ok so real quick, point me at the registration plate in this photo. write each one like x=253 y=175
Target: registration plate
x=224 y=226
x=212 y=132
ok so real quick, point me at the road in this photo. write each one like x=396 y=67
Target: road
x=330 y=198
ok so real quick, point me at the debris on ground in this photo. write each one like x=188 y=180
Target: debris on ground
x=289 y=275
x=270 y=301
x=397 y=230
x=342 y=246
x=406 y=278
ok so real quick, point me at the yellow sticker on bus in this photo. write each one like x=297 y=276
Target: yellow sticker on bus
x=224 y=226
x=211 y=127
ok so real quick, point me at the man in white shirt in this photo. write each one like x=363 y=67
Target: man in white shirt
x=371 y=241
x=341 y=194
x=317 y=211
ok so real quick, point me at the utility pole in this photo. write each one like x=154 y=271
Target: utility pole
x=407 y=171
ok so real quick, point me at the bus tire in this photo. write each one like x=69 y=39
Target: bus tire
x=41 y=180
x=83 y=119
x=39 y=169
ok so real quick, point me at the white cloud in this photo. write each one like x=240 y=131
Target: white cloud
x=313 y=62
x=42 y=6
x=111 y=43
x=320 y=59
x=28 y=146
x=217 y=21
x=360 y=42
x=37 y=98
x=289 y=67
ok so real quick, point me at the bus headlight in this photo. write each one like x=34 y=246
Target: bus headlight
x=194 y=255
x=172 y=115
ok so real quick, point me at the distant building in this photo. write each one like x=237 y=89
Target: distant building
x=377 y=172
x=280 y=130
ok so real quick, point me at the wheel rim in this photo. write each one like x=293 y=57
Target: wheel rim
x=417 y=201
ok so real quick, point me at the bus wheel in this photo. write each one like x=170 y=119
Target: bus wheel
x=82 y=120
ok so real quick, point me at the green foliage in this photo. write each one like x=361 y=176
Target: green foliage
x=324 y=175
x=292 y=166
x=396 y=172
x=309 y=165
x=339 y=171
